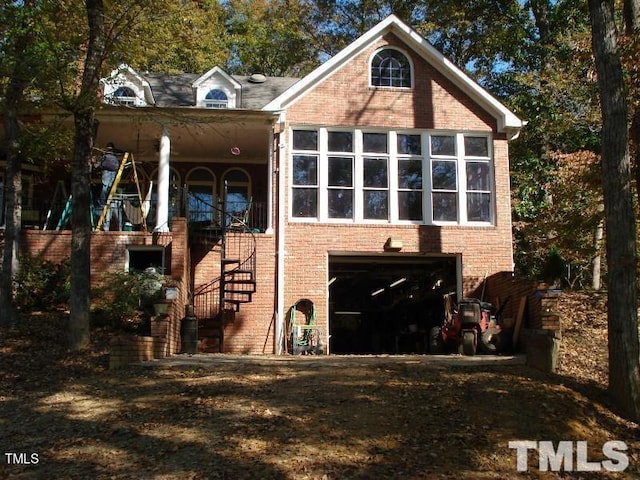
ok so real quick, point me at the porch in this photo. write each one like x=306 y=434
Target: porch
x=202 y=211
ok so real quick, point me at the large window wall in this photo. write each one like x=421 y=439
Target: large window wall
x=425 y=177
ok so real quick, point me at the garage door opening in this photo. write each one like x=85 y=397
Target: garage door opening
x=387 y=305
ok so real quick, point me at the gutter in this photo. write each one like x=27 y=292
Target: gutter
x=280 y=253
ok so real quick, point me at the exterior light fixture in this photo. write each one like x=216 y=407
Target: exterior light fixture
x=393 y=245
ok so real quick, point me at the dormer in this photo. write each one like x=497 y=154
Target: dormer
x=217 y=89
x=126 y=87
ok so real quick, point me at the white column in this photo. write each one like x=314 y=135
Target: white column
x=164 y=181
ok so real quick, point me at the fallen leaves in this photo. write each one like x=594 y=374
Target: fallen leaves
x=304 y=418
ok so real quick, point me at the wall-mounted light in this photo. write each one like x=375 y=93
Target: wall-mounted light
x=393 y=245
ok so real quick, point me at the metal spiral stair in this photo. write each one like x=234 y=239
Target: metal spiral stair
x=216 y=302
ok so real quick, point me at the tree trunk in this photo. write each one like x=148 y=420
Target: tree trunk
x=596 y=282
x=631 y=14
x=84 y=113
x=10 y=262
x=624 y=351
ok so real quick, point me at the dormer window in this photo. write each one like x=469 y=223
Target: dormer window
x=217 y=89
x=124 y=96
x=126 y=87
x=216 y=99
x=390 y=68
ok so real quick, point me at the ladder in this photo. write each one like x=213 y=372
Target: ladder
x=65 y=215
x=58 y=194
x=114 y=187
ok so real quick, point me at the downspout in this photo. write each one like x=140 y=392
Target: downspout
x=280 y=226
x=164 y=180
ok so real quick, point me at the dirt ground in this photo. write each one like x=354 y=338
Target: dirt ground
x=65 y=416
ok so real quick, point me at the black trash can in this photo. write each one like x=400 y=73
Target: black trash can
x=189 y=334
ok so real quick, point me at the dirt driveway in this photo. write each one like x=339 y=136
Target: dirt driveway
x=325 y=418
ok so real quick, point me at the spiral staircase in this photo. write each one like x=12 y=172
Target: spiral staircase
x=216 y=302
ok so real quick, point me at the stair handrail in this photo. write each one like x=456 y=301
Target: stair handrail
x=244 y=242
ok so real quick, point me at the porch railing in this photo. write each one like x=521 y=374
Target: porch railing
x=46 y=213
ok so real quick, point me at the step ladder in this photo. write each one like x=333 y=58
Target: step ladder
x=127 y=160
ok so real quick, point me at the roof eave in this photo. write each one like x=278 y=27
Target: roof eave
x=193 y=113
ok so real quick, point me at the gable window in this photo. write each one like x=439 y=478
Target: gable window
x=392 y=177
x=390 y=68
x=124 y=96
x=216 y=99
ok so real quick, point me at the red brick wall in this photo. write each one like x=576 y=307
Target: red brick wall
x=108 y=251
x=345 y=99
x=252 y=329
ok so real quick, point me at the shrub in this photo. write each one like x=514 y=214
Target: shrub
x=124 y=299
x=41 y=284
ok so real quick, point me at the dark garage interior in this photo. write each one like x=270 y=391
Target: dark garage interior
x=387 y=304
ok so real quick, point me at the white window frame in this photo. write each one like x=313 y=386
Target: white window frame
x=129 y=100
x=211 y=184
x=490 y=166
x=215 y=103
x=393 y=158
x=409 y=61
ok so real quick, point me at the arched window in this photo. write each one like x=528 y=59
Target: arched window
x=201 y=196
x=390 y=68
x=216 y=99
x=238 y=191
x=124 y=96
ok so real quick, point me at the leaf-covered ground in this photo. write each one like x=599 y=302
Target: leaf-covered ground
x=298 y=418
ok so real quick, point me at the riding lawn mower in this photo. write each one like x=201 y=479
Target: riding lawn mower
x=469 y=328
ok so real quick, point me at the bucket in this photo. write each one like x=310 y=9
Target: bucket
x=128 y=227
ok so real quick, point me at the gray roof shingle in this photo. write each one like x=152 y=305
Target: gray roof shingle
x=176 y=90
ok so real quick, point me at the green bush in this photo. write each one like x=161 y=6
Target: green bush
x=125 y=298
x=41 y=284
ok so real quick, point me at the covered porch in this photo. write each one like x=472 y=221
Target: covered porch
x=208 y=166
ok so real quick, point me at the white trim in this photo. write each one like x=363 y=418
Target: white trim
x=458 y=158
x=125 y=76
x=164 y=181
x=412 y=78
x=280 y=254
x=217 y=79
x=507 y=121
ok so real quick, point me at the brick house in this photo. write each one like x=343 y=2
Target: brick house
x=368 y=189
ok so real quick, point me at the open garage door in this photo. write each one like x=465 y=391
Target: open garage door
x=387 y=304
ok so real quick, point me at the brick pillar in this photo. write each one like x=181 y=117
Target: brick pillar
x=543 y=344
